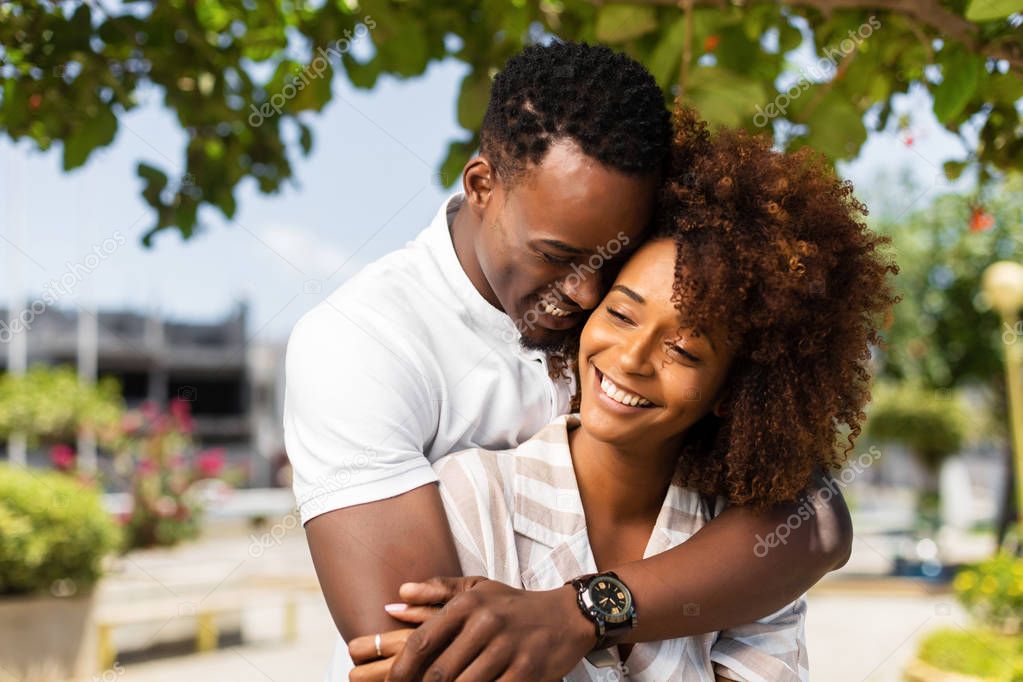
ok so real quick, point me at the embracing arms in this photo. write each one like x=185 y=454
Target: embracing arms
x=740 y=567
x=719 y=578
x=363 y=553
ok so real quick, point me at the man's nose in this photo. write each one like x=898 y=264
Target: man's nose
x=584 y=288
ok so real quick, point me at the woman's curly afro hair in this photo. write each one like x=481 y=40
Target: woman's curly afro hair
x=772 y=248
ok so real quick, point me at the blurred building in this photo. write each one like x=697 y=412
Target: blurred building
x=235 y=387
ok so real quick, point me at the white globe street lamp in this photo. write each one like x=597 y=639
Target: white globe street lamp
x=1002 y=284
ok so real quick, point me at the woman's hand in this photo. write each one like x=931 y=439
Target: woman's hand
x=490 y=631
x=369 y=667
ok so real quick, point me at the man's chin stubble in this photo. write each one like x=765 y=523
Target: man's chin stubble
x=558 y=343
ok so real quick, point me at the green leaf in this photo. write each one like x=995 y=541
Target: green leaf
x=305 y=138
x=961 y=72
x=989 y=10
x=459 y=153
x=736 y=51
x=472 y=100
x=667 y=55
x=406 y=52
x=953 y=169
x=835 y=126
x=721 y=96
x=156 y=182
x=225 y=202
x=212 y=15
x=618 y=23
x=97 y=131
x=361 y=75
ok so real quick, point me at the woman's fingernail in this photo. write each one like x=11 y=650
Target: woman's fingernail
x=395 y=608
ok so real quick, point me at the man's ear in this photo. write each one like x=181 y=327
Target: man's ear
x=478 y=183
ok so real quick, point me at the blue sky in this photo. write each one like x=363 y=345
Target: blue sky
x=367 y=188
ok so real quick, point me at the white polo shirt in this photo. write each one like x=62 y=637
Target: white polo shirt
x=403 y=364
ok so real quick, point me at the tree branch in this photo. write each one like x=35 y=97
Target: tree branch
x=687 y=49
x=929 y=13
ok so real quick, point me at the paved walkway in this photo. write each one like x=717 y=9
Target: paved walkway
x=857 y=629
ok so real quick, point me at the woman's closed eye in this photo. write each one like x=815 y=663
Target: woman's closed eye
x=682 y=352
x=618 y=316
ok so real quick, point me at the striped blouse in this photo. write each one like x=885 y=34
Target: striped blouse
x=517 y=517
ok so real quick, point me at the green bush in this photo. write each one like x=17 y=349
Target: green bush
x=930 y=423
x=54 y=532
x=980 y=653
x=993 y=592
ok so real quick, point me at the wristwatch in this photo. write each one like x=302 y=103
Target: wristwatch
x=607 y=602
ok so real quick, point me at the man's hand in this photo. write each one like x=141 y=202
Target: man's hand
x=490 y=631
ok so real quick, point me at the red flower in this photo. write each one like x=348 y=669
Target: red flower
x=63 y=457
x=981 y=220
x=710 y=43
x=210 y=463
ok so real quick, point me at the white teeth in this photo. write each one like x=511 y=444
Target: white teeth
x=554 y=310
x=623 y=397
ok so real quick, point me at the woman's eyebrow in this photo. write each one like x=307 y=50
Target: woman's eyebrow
x=628 y=292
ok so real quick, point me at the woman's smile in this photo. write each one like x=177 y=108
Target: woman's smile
x=616 y=397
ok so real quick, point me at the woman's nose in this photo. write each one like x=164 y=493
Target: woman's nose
x=635 y=355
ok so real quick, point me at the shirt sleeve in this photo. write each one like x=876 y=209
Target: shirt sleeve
x=772 y=649
x=475 y=500
x=358 y=411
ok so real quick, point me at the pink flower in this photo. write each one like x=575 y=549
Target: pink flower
x=210 y=463
x=165 y=506
x=131 y=422
x=146 y=466
x=181 y=410
x=149 y=410
x=63 y=457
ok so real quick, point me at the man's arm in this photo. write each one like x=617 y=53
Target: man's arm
x=740 y=567
x=363 y=553
x=717 y=579
x=358 y=410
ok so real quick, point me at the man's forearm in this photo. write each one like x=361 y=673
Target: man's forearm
x=363 y=553
x=739 y=568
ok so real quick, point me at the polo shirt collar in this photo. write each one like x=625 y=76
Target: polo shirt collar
x=484 y=317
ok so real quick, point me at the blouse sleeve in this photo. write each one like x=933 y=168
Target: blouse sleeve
x=474 y=495
x=772 y=649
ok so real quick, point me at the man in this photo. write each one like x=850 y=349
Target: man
x=445 y=345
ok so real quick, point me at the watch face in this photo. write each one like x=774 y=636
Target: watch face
x=611 y=598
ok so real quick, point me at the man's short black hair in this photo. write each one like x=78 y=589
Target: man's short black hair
x=605 y=101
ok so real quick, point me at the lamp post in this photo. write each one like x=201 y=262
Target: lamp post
x=1002 y=284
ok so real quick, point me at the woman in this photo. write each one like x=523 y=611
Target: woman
x=720 y=368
